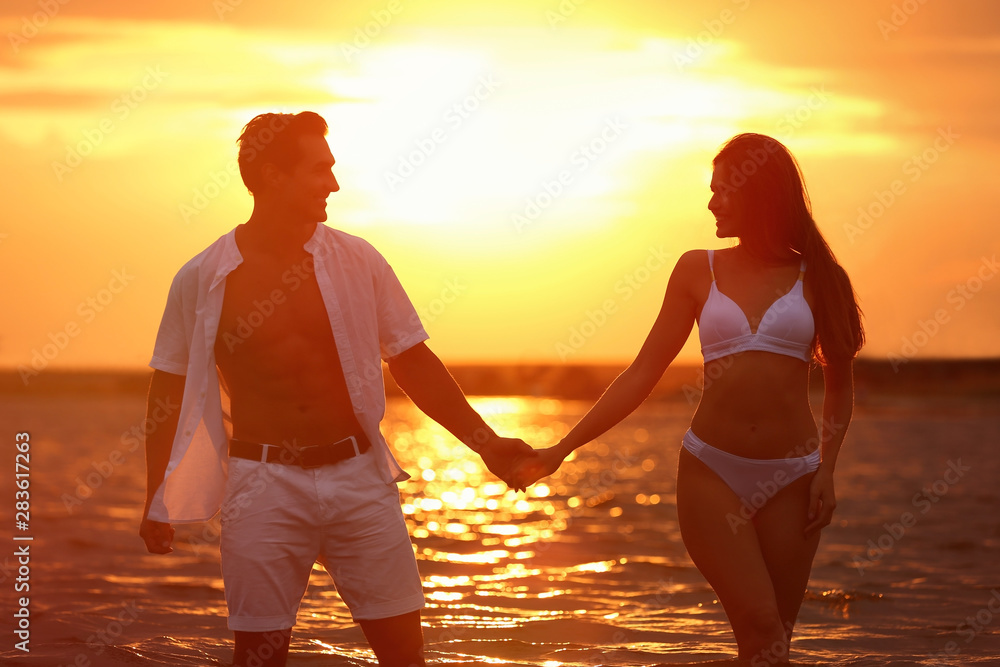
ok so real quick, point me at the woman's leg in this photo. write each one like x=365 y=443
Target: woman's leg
x=787 y=550
x=726 y=550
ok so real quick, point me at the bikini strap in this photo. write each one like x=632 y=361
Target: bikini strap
x=711 y=266
x=802 y=269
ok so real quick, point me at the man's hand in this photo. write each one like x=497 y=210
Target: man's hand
x=157 y=536
x=504 y=456
x=165 y=389
x=546 y=462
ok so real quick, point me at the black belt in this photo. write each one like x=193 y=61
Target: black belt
x=308 y=456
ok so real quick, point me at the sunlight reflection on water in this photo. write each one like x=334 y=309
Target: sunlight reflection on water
x=586 y=568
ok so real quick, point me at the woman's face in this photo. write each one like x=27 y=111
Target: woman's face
x=724 y=204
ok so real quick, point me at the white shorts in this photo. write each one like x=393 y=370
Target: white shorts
x=277 y=520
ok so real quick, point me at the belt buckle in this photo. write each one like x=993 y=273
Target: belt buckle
x=308 y=462
x=354 y=443
x=304 y=460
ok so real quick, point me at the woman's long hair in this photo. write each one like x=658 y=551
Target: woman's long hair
x=766 y=182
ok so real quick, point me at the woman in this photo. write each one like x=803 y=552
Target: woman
x=755 y=476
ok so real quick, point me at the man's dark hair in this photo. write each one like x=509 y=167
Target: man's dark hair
x=274 y=138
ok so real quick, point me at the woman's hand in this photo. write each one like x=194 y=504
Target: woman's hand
x=822 y=500
x=504 y=456
x=544 y=464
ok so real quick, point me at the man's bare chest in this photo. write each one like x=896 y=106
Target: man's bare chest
x=268 y=304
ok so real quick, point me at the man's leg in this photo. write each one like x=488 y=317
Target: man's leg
x=261 y=649
x=268 y=547
x=398 y=641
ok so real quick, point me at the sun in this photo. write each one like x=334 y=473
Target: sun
x=479 y=132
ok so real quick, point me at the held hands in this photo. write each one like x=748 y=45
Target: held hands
x=517 y=464
x=505 y=456
x=544 y=463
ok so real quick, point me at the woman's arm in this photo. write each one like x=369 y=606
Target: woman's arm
x=838 y=406
x=669 y=333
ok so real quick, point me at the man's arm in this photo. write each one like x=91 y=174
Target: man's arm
x=424 y=378
x=166 y=391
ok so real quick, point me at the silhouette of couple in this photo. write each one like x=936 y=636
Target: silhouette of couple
x=272 y=342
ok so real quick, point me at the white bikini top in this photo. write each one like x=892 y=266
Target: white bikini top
x=786 y=328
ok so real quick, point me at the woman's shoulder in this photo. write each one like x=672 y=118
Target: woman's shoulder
x=694 y=257
x=694 y=261
x=692 y=267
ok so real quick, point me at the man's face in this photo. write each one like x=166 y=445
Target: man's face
x=304 y=190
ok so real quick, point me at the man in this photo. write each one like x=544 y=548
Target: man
x=272 y=343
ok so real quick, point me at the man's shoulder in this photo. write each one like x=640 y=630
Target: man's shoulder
x=208 y=258
x=349 y=244
x=342 y=238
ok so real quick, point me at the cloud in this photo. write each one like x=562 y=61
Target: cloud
x=72 y=75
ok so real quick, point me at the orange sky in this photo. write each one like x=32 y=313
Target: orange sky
x=531 y=171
